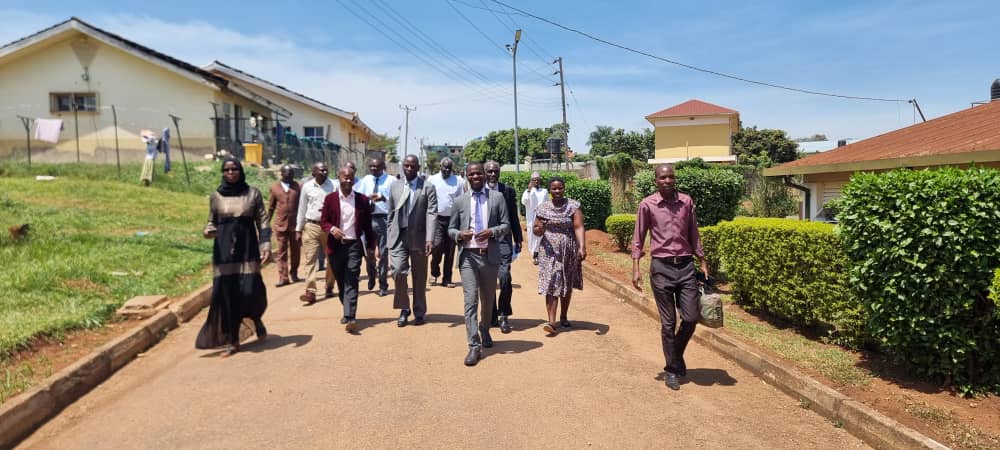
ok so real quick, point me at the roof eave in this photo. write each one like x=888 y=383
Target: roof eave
x=949 y=159
x=220 y=67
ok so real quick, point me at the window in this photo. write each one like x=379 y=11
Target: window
x=312 y=132
x=63 y=102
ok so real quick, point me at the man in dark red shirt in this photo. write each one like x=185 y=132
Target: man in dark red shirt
x=669 y=218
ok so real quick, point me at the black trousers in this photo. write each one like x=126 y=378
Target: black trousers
x=346 y=264
x=443 y=246
x=675 y=288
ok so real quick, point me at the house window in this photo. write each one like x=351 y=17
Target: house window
x=64 y=101
x=313 y=132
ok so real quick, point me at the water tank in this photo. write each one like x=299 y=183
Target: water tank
x=995 y=90
x=553 y=145
x=841 y=142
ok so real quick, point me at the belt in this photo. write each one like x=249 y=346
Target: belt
x=676 y=260
x=379 y=215
x=478 y=251
x=314 y=222
x=348 y=241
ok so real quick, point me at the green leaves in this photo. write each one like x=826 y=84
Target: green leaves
x=930 y=239
x=621 y=227
x=594 y=195
x=716 y=191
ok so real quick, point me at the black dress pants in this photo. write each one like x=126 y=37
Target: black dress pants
x=675 y=288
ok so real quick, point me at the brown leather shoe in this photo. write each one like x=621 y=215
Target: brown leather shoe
x=308 y=297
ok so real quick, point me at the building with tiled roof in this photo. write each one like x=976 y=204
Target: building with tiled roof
x=694 y=129
x=970 y=136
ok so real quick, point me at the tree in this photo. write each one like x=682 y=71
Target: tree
x=382 y=142
x=499 y=145
x=764 y=148
x=606 y=141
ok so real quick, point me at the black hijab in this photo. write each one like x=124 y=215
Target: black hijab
x=238 y=188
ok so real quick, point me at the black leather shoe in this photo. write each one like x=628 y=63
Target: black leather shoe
x=383 y=292
x=296 y=279
x=343 y=321
x=283 y=283
x=504 y=325
x=371 y=284
x=351 y=326
x=260 y=329
x=419 y=320
x=403 y=316
x=495 y=322
x=473 y=357
x=487 y=340
x=329 y=293
x=672 y=382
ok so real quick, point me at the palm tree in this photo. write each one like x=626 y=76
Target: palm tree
x=600 y=140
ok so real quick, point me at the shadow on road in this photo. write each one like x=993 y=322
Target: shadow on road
x=274 y=342
x=503 y=346
x=599 y=329
x=704 y=377
x=364 y=324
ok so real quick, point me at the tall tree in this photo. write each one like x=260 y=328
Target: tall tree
x=499 y=145
x=605 y=141
x=764 y=148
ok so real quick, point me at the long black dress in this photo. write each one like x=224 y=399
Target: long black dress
x=241 y=234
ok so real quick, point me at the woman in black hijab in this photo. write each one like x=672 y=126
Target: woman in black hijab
x=238 y=222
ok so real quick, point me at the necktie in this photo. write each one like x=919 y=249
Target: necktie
x=479 y=213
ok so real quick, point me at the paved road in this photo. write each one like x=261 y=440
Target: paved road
x=311 y=385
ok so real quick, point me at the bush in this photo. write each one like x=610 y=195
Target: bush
x=792 y=269
x=710 y=243
x=771 y=198
x=716 y=192
x=923 y=247
x=621 y=227
x=519 y=180
x=995 y=291
x=595 y=200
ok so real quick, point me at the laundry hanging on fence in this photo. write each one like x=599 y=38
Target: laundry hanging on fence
x=165 y=148
x=47 y=130
x=146 y=176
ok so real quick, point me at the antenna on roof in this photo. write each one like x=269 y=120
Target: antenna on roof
x=916 y=105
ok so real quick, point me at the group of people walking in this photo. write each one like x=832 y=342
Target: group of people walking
x=403 y=225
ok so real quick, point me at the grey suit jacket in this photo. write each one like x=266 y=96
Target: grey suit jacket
x=422 y=217
x=499 y=222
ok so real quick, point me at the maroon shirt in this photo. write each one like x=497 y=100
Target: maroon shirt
x=672 y=226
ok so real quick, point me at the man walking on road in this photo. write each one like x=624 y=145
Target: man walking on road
x=532 y=198
x=284 y=200
x=346 y=218
x=308 y=231
x=448 y=187
x=412 y=215
x=509 y=245
x=376 y=187
x=478 y=221
x=669 y=218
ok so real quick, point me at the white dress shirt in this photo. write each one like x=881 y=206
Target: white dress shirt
x=484 y=210
x=448 y=189
x=311 y=201
x=370 y=185
x=347 y=216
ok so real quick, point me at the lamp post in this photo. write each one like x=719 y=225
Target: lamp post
x=513 y=51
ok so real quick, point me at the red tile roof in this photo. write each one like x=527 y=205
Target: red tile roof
x=970 y=130
x=692 y=108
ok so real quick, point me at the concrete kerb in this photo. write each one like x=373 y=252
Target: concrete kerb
x=22 y=414
x=869 y=425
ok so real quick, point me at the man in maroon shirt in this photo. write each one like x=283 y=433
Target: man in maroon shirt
x=669 y=218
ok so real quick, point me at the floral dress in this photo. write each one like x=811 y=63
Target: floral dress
x=559 y=268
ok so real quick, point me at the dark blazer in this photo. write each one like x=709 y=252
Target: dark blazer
x=509 y=197
x=331 y=218
x=461 y=219
x=283 y=207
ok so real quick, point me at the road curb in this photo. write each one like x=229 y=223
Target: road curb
x=860 y=420
x=25 y=412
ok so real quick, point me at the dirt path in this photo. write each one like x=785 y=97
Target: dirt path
x=311 y=385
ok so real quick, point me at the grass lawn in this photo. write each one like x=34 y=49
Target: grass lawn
x=95 y=242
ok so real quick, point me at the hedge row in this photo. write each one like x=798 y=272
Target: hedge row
x=594 y=195
x=792 y=269
x=716 y=192
x=995 y=291
x=924 y=248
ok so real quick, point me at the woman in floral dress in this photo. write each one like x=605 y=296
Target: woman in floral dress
x=561 y=250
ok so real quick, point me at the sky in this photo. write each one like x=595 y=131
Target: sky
x=447 y=58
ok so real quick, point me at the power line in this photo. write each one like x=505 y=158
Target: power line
x=688 y=66
x=495 y=16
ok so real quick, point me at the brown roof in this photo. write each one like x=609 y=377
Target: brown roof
x=692 y=108
x=968 y=131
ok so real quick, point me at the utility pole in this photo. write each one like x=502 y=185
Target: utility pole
x=562 y=88
x=513 y=51
x=406 y=138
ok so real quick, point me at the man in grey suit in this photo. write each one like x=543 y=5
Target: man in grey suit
x=478 y=221
x=412 y=215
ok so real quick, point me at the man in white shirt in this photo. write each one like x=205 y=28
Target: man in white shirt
x=532 y=198
x=376 y=186
x=308 y=231
x=448 y=187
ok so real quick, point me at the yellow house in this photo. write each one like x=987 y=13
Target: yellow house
x=694 y=129
x=106 y=89
x=310 y=117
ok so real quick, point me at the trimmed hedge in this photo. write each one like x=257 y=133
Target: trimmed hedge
x=995 y=291
x=792 y=269
x=594 y=195
x=621 y=228
x=716 y=192
x=924 y=248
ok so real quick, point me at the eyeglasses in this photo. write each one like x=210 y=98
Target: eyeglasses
x=231 y=169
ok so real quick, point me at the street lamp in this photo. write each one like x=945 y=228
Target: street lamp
x=513 y=51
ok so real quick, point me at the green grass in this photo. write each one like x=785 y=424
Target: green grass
x=83 y=258
x=19 y=377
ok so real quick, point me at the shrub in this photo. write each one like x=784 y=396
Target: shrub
x=716 y=192
x=923 y=247
x=995 y=291
x=710 y=243
x=770 y=198
x=792 y=269
x=621 y=227
x=595 y=200
x=519 y=180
